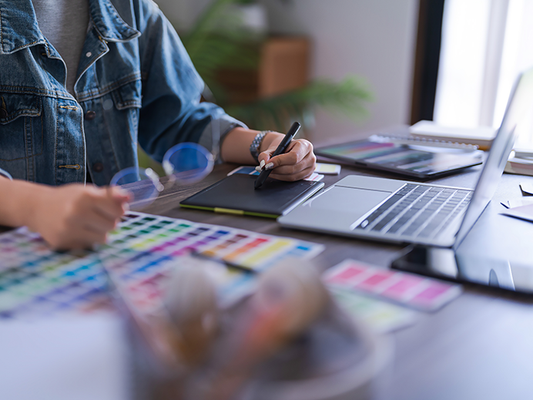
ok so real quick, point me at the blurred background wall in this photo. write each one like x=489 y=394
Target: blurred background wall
x=374 y=39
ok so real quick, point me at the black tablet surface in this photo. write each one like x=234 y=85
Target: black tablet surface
x=407 y=158
x=236 y=195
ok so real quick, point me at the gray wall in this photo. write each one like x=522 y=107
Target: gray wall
x=371 y=38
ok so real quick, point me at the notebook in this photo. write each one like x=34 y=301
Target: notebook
x=481 y=137
x=235 y=194
x=402 y=211
x=406 y=156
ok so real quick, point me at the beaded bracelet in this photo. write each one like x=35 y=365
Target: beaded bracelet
x=256 y=144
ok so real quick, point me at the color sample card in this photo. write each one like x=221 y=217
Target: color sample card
x=247 y=170
x=328 y=169
x=382 y=317
x=401 y=287
x=140 y=254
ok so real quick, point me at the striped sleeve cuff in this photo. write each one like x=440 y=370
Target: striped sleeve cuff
x=215 y=132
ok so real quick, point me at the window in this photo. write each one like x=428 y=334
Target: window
x=485 y=44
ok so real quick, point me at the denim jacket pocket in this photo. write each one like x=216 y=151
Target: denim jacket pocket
x=128 y=95
x=127 y=99
x=21 y=126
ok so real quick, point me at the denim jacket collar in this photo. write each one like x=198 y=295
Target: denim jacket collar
x=19 y=27
x=109 y=23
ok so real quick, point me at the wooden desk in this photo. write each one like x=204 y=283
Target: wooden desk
x=478 y=347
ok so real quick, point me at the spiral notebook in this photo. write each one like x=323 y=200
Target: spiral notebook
x=405 y=155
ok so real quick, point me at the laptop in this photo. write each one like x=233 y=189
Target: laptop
x=400 y=211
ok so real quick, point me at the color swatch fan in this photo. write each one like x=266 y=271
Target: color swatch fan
x=35 y=280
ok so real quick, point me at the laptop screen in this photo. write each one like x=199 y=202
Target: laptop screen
x=520 y=103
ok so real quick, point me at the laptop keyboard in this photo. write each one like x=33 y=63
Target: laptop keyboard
x=417 y=211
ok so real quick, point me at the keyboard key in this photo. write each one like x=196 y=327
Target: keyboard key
x=417 y=210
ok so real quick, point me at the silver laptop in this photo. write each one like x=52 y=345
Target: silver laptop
x=410 y=212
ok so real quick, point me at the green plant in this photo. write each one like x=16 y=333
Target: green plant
x=212 y=49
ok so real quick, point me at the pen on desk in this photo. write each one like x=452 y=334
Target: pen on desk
x=280 y=149
x=228 y=264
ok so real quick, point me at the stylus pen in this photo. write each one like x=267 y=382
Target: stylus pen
x=228 y=264
x=281 y=149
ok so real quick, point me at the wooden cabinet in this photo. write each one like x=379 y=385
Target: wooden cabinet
x=283 y=66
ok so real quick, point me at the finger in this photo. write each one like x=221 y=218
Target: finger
x=121 y=196
x=297 y=151
x=99 y=224
x=87 y=220
x=266 y=155
x=300 y=146
x=118 y=194
x=77 y=239
x=294 y=176
x=88 y=238
x=289 y=168
x=263 y=158
x=110 y=204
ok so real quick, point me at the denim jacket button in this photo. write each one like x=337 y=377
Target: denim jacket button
x=98 y=167
x=90 y=115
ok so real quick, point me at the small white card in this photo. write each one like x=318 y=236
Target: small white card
x=328 y=169
x=522 y=212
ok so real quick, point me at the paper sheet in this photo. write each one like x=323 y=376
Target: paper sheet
x=522 y=212
x=63 y=358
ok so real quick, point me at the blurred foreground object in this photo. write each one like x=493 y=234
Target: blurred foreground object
x=287 y=341
x=192 y=310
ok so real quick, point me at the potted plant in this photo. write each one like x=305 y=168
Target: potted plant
x=213 y=47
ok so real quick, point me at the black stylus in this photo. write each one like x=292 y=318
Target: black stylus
x=281 y=149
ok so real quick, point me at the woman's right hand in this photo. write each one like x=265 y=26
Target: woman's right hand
x=76 y=216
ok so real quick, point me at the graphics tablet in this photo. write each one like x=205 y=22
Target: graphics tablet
x=235 y=194
x=404 y=158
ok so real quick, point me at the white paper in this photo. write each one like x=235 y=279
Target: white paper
x=523 y=212
x=431 y=128
x=63 y=358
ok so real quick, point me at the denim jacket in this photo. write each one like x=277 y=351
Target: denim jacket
x=135 y=84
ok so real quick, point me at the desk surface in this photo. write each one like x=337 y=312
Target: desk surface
x=478 y=347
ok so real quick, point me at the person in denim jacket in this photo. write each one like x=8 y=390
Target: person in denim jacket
x=82 y=83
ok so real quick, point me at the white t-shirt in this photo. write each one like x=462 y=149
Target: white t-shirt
x=64 y=23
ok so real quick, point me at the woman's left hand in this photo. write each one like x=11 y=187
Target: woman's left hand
x=298 y=162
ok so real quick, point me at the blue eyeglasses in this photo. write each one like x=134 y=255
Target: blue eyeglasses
x=184 y=163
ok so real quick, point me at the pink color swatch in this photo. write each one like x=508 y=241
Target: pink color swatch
x=408 y=289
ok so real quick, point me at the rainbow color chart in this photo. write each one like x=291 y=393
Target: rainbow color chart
x=140 y=254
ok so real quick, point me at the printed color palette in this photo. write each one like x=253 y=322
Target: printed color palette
x=409 y=157
x=247 y=170
x=381 y=316
x=413 y=290
x=140 y=253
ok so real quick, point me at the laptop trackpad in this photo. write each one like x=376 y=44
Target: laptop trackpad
x=349 y=203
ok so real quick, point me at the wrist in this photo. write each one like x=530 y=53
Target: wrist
x=37 y=196
x=269 y=138
x=261 y=143
x=18 y=209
